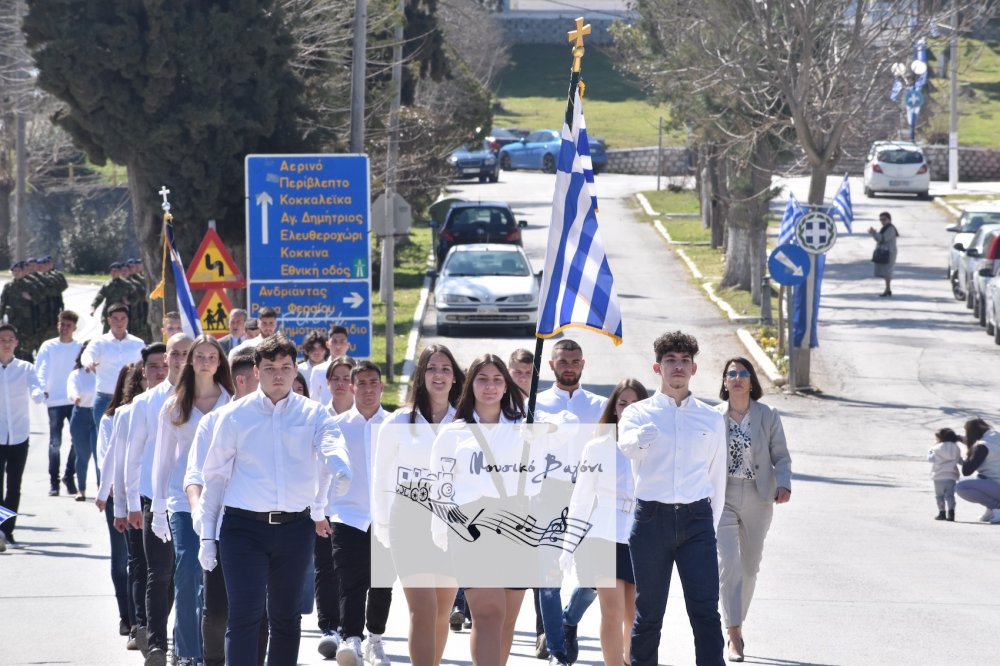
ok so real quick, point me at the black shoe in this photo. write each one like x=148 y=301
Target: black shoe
x=885 y=293
x=70 y=485
x=951 y=516
x=156 y=657
x=572 y=645
x=80 y=497
x=123 y=628
x=940 y=516
x=54 y=491
x=456 y=619
x=541 y=649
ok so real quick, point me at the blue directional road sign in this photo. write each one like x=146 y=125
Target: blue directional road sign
x=913 y=98
x=788 y=265
x=308 y=253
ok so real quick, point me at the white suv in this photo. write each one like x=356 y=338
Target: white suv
x=897 y=167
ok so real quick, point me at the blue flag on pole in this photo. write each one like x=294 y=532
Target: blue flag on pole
x=578 y=288
x=793 y=213
x=842 y=204
x=5 y=514
x=897 y=87
x=190 y=321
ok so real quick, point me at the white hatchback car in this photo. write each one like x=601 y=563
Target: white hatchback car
x=897 y=167
x=486 y=285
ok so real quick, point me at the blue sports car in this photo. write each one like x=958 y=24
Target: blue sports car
x=475 y=160
x=540 y=150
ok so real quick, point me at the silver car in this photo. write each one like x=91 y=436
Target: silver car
x=968 y=224
x=972 y=260
x=486 y=285
x=991 y=306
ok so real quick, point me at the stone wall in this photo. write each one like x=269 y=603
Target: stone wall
x=974 y=164
x=534 y=28
x=676 y=161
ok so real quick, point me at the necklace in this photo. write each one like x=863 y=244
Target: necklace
x=733 y=410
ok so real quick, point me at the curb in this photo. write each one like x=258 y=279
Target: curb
x=760 y=358
x=644 y=202
x=414 y=338
x=950 y=209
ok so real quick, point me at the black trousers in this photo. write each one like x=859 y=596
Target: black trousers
x=214 y=614
x=361 y=605
x=159 y=580
x=137 y=574
x=327 y=586
x=13 y=458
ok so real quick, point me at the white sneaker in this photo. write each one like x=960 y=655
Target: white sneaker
x=349 y=652
x=329 y=643
x=374 y=652
x=987 y=517
x=996 y=517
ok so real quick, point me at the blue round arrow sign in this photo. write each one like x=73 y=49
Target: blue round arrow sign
x=788 y=264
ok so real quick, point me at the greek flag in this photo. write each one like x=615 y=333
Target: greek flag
x=793 y=213
x=577 y=286
x=842 y=204
x=190 y=321
x=5 y=514
x=897 y=87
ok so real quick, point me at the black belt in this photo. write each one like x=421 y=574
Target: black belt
x=269 y=517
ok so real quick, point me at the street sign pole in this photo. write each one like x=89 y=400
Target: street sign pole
x=790 y=346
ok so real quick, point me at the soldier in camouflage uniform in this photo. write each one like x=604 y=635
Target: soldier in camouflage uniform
x=115 y=290
x=17 y=305
x=32 y=338
x=47 y=302
x=59 y=281
x=140 y=318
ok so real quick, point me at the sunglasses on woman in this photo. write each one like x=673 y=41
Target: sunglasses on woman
x=733 y=374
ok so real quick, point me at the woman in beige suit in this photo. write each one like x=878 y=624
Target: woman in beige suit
x=759 y=475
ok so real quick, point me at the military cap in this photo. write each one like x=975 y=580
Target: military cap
x=30 y=260
x=115 y=264
x=18 y=264
x=46 y=259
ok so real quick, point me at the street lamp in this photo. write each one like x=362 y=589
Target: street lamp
x=912 y=97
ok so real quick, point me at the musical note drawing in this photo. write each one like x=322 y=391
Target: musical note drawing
x=558 y=525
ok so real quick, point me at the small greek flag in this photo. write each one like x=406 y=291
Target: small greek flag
x=6 y=514
x=190 y=321
x=897 y=87
x=577 y=286
x=793 y=213
x=842 y=204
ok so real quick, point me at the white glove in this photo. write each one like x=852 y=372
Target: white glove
x=160 y=527
x=646 y=435
x=196 y=519
x=566 y=561
x=381 y=532
x=342 y=482
x=208 y=554
x=440 y=540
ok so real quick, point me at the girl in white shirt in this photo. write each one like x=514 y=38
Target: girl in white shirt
x=613 y=498
x=81 y=387
x=404 y=450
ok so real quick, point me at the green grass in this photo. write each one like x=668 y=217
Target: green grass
x=684 y=202
x=411 y=266
x=532 y=94
x=978 y=113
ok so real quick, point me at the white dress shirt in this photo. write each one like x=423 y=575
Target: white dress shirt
x=401 y=444
x=354 y=508
x=246 y=344
x=119 y=436
x=111 y=355
x=53 y=365
x=687 y=462
x=605 y=498
x=583 y=404
x=268 y=457
x=81 y=384
x=170 y=455
x=141 y=444
x=18 y=382
x=319 y=389
x=199 y=447
x=105 y=462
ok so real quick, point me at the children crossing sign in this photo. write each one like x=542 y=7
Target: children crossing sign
x=214 y=312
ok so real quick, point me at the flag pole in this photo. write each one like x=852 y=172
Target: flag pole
x=575 y=36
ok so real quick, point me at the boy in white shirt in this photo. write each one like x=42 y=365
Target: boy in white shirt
x=55 y=360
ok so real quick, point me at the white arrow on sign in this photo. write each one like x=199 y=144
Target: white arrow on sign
x=264 y=200
x=354 y=300
x=789 y=264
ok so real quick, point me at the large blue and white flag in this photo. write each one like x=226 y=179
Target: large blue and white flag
x=793 y=213
x=190 y=321
x=842 y=204
x=578 y=289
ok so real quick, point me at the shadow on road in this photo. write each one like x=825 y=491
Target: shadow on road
x=839 y=482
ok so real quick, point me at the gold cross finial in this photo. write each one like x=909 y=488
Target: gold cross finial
x=576 y=36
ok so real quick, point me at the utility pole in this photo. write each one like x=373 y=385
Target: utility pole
x=953 y=101
x=392 y=152
x=20 y=219
x=358 y=77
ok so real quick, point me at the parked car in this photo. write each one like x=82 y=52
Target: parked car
x=486 y=284
x=968 y=224
x=540 y=150
x=477 y=222
x=992 y=305
x=475 y=160
x=969 y=264
x=983 y=273
x=897 y=167
x=501 y=136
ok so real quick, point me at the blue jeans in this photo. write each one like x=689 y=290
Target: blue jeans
x=550 y=603
x=265 y=566
x=681 y=534
x=119 y=567
x=57 y=417
x=578 y=604
x=187 y=586
x=101 y=402
x=83 y=434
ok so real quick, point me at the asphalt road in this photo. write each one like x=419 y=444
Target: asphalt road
x=855 y=570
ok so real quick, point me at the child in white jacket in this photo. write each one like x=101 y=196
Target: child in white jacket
x=945 y=457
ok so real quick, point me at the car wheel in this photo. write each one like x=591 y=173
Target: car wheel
x=975 y=306
x=926 y=196
x=968 y=300
x=443 y=330
x=505 y=162
x=482 y=179
x=996 y=334
x=955 y=289
x=495 y=176
x=982 y=311
x=548 y=164
x=868 y=192
x=991 y=325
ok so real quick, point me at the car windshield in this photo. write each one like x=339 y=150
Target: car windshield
x=972 y=221
x=900 y=156
x=473 y=264
x=493 y=219
x=475 y=147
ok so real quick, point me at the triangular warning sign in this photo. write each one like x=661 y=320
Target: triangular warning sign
x=213 y=311
x=213 y=266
